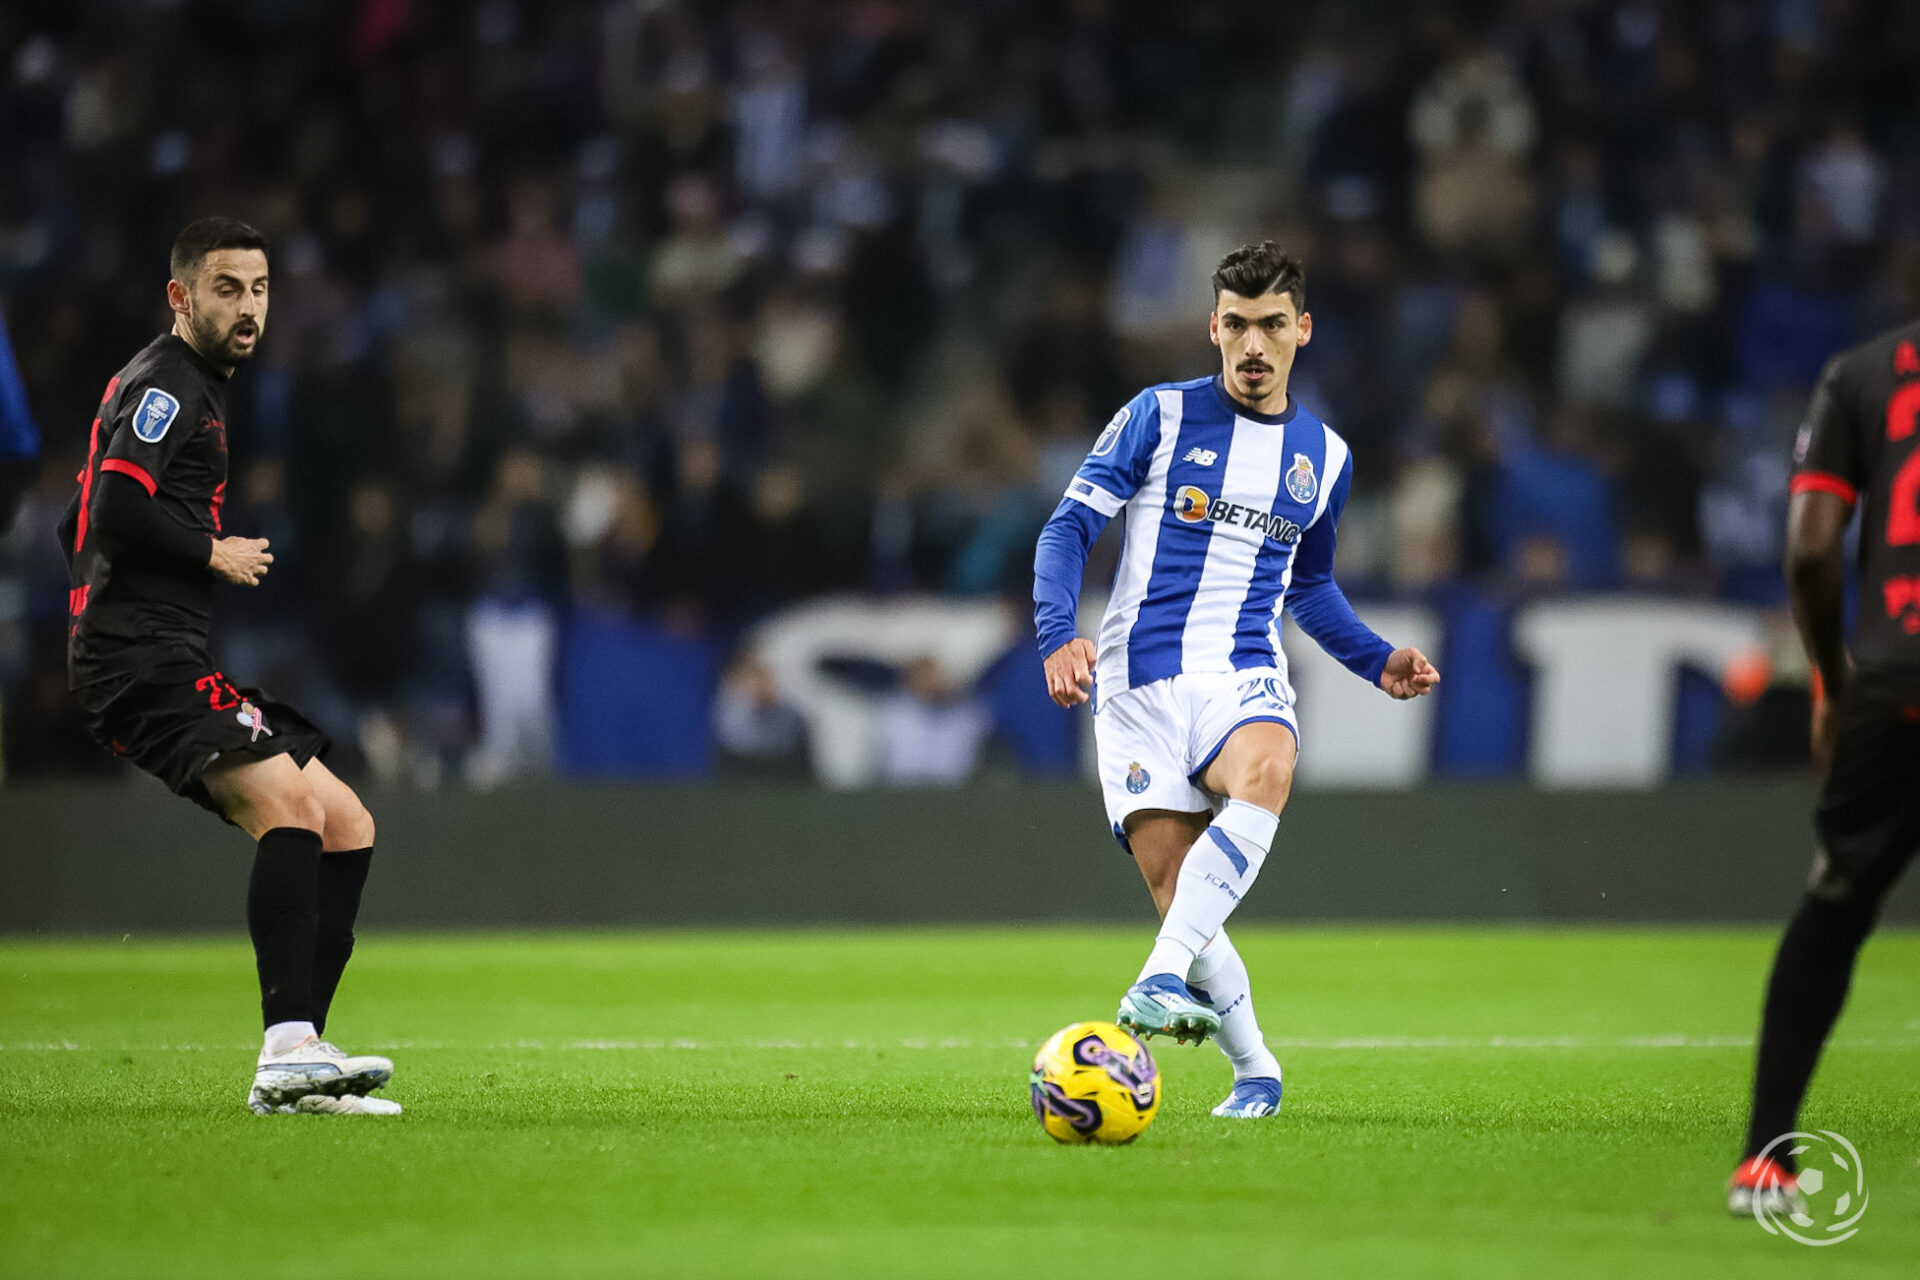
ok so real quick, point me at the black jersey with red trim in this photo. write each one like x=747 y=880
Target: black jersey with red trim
x=162 y=424
x=1861 y=442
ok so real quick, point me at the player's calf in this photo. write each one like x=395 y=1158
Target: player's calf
x=1214 y=876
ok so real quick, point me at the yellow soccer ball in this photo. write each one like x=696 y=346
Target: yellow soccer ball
x=1094 y=1082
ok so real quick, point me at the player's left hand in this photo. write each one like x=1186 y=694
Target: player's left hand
x=1408 y=674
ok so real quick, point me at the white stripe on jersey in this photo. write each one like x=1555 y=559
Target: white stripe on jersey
x=1254 y=468
x=1089 y=494
x=1337 y=455
x=1142 y=540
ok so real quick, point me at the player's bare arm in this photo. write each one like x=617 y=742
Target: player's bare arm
x=241 y=561
x=1408 y=674
x=1816 y=527
x=1070 y=672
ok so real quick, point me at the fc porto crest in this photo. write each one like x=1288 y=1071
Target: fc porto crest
x=1301 y=482
x=1138 y=779
x=155 y=414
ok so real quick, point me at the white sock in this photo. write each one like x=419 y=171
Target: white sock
x=1219 y=971
x=282 y=1036
x=1217 y=873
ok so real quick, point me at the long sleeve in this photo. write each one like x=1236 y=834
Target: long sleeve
x=19 y=438
x=124 y=512
x=1059 y=561
x=1111 y=474
x=1321 y=608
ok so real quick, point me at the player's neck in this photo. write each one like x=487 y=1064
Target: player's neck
x=1274 y=405
x=184 y=332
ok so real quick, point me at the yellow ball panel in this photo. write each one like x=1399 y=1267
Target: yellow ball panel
x=1094 y=1082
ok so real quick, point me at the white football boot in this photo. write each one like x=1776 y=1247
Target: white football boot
x=1164 y=1005
x=352 y=1104
x=313 y=1067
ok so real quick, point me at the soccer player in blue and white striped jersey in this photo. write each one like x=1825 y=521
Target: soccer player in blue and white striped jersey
x=1232 y=492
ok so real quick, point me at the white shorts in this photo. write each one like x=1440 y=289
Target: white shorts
x=1155 y=741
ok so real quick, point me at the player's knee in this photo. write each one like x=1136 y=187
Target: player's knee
x=1267 y=782
x=303 y=809
x=350 y=826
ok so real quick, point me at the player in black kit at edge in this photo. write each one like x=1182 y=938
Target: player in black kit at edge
x=144 y=547
x=1859 y=448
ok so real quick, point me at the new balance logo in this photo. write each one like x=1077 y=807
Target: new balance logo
x=1205 y=457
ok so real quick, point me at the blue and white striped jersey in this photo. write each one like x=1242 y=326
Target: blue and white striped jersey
x=1230 y=518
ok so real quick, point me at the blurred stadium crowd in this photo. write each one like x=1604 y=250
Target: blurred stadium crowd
x=678 y=312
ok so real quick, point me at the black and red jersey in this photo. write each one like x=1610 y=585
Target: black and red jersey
x=162 y=424
x=1861 y=442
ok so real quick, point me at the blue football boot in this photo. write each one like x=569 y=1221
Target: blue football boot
x=1251 y=1098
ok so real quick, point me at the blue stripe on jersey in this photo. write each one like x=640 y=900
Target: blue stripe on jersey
x=1252 y=634
x=1155 y=642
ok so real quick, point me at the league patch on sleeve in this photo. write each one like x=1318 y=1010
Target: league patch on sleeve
x=156 y=413
x=1111 y=436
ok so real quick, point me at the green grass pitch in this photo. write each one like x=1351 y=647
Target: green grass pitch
x=1460 y=1102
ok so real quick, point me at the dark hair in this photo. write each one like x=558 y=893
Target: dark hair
x=200 y=238
x=1256 y=269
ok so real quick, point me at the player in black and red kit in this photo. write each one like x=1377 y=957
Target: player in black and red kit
x=145 y=546
x=1860 y=447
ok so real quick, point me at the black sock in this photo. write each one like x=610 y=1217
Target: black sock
x=342 y=876
x=1811 y=974
x=281 y=915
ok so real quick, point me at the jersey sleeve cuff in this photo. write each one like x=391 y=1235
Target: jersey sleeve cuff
x=1824 y=482
x=133 y=470
x=1092 y=495
x=1054 y=638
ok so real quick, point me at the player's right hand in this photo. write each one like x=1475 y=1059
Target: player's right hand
x=241 y=561
x=1070 y=672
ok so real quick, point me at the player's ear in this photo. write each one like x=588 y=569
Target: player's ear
x=1213 y=327
x=178 y=298
x=1305 y=329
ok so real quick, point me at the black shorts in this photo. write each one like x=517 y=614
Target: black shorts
x=1868 y=819
x=175 y=722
